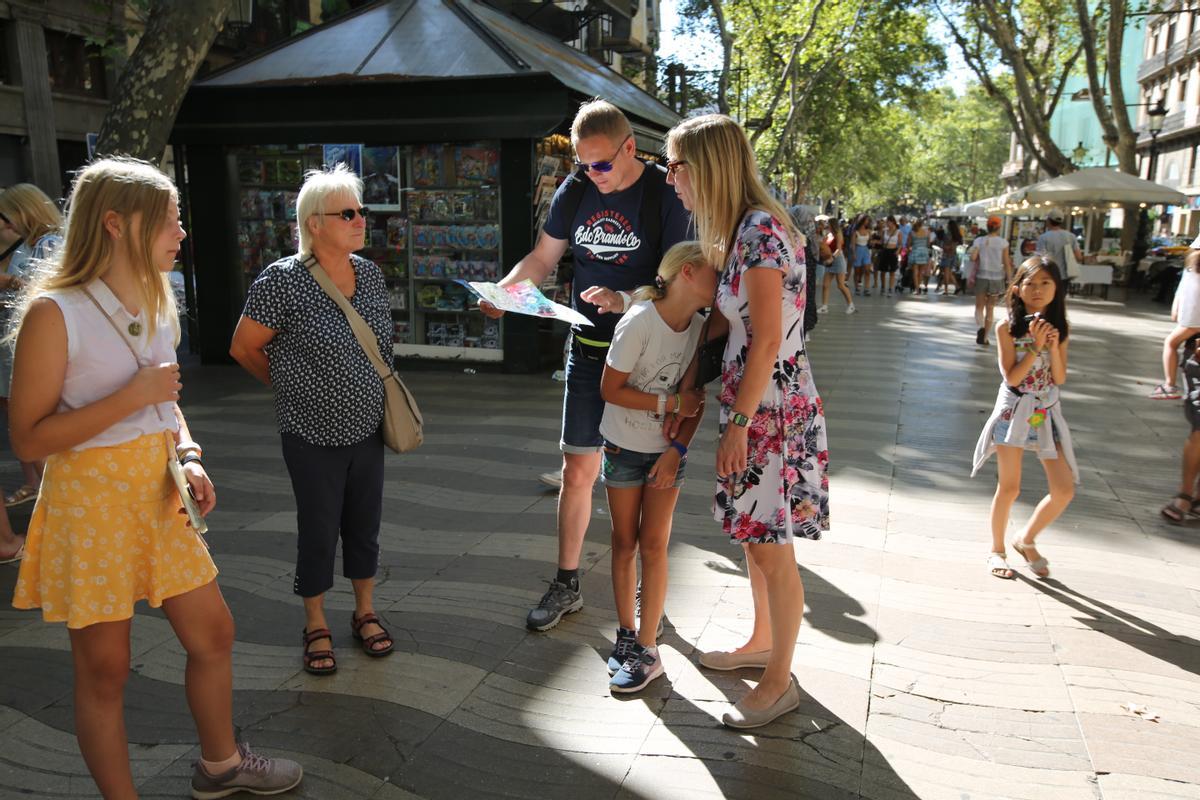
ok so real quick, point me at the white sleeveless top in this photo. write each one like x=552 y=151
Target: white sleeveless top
x=98 y=363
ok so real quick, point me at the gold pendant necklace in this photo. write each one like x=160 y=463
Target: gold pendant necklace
x=135 y=329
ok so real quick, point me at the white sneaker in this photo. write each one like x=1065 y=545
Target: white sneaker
x=850 y=309
x=552 y=479
x=822 y=309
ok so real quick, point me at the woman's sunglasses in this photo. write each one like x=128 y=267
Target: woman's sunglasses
x=602 y=166
x=348 y=213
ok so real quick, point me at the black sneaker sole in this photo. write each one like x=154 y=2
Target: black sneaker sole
x=571 y=609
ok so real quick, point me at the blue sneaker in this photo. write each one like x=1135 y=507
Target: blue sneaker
x=641 y=667
x=626 y=639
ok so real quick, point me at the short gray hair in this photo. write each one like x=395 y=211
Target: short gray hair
x=319 y=185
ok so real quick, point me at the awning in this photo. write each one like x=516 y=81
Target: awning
x=1088 y=189
x=389 y=49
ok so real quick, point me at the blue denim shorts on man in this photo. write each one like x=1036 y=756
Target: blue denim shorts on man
x=582 y=404
x=626 y=469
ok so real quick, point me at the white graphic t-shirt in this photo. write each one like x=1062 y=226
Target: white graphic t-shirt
x=655 y=356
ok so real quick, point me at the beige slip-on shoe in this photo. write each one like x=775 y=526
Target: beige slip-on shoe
x=741 y=718
x=717 y=659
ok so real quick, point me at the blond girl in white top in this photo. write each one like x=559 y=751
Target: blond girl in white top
x=95 y=393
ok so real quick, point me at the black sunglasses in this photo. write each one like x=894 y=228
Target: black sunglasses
x=675 y=166
x=348 y=213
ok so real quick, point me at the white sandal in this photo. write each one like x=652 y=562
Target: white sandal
x=1038 y=566
x=995 y=561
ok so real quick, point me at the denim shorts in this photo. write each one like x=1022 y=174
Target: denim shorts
x=838 y=266
x=862 y=256
x=583 y=406
x=625 y=469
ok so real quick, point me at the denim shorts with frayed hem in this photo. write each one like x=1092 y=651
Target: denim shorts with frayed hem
x=583 y=407
x=626 y=469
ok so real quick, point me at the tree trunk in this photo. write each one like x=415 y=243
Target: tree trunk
x=726 y=56
x=157 y=75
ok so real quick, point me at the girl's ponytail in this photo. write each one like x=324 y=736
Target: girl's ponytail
x=688 y=252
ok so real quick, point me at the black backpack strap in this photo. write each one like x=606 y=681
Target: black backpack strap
x=650 y=214
x=573 y=188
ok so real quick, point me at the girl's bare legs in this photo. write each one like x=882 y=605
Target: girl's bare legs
x=1061 y=483
x=776 y=564
x=1008 y=487
x=204 y=626
x=100 y=654
x=825 y=287
x=658 y=507
x=1170 y=352
x=625 y=510
x=845 y=290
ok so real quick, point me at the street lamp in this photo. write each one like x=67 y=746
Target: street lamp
x=1079 y=154
x=1154 y=124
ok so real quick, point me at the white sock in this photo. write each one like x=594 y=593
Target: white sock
x=218 y=767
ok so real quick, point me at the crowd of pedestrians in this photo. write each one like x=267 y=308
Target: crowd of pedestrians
x=96 y=389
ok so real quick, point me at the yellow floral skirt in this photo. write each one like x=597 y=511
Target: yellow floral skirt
x=106 y=532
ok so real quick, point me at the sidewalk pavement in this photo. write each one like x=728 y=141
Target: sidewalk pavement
x=924 y=676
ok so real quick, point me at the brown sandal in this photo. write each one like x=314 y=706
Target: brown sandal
x=369 y=642
x=318 y=655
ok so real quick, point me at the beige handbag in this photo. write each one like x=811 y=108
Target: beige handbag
x=402 y=420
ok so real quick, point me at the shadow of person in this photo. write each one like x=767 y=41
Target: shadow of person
x=811 y=752
x=1173 y=648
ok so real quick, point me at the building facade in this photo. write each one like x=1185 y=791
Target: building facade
x=1169 y=73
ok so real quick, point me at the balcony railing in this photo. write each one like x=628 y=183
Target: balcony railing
x=1152 y=65
x=1176 y=52
x=1193 y=43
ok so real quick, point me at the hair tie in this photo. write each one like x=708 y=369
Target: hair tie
x=660 y=283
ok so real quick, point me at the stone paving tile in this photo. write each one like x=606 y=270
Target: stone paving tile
x=1137 y=787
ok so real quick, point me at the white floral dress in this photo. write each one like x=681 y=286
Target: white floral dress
x=784 y=492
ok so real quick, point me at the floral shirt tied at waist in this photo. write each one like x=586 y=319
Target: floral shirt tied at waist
x=1033 y=414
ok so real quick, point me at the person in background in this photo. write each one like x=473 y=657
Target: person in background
x=832 y=245
x=1055 y=241
x=951 y=239
x=33 y=220
x=1185 y=507
x=991 y=270
x=1185 y=313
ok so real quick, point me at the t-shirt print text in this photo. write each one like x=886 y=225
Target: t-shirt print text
x=607 y=236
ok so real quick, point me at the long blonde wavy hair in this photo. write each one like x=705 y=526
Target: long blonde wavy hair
x=30 y=211
x=129 y=187
x=725 y=181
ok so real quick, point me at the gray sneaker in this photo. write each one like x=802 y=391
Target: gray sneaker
x=256 y=775
x=559 y=599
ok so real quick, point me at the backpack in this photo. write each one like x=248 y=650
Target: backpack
x=649 y=214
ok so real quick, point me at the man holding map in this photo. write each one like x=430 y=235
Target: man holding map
x=619 y=216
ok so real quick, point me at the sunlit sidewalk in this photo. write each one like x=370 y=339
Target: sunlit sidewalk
x=925 y=676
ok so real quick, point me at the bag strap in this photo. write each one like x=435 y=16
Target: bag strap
x=713 y=306
x=362 y=331
x=650 y=213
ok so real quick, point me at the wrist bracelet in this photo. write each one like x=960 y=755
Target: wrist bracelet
x=626 y=300
x=189 y=458
x=661 y=407
x=678 y=403
x=680 y=446
x=186 y=447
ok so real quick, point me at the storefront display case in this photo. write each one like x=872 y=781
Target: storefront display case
x=435 y=218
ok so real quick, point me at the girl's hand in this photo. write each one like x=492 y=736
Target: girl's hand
x=1052 y=337
x=731 y=451
x=662 y=476
x=153 y=385
x=670 y=426
x=690 y=401
x=201 y=486
x=1039 y=329
x=605 y=300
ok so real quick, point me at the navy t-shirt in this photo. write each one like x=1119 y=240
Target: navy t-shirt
x=606 y=242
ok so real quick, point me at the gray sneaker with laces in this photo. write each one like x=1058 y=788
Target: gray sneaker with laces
x=256 y=775
x=559 y=599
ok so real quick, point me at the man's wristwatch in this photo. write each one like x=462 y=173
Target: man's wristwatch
x=741 y=420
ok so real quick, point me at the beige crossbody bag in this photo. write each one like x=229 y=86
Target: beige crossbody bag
x=173 y=466
x=402 y=422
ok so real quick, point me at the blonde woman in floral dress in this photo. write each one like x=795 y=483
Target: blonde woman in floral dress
x=772 y=456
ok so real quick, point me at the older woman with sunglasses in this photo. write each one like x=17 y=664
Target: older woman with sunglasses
x=328 y=401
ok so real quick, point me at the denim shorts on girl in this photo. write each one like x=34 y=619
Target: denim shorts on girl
x=1000 y=433
x=862 y=256
x=626 y=469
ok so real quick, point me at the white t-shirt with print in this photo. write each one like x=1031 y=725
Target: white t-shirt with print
x=991 y=257
x=1187 y=300
x=655 y=356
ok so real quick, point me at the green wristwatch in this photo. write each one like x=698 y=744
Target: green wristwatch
x=741 y=420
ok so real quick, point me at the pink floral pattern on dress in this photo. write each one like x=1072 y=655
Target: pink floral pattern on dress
x=784 y=492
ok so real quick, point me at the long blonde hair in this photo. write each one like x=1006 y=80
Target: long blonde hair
x=30 y=211
x=725 y=181
x=126 y=186
x=681 y=253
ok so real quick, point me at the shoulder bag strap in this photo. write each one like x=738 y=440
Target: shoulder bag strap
x=362 y=331
x=728 y=252
x=117 y=330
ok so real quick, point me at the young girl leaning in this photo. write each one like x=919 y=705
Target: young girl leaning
x=1028 y=414
x=651 y=349
x=95 y=393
